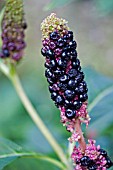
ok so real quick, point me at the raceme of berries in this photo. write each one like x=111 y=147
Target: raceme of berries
x=94 y=158
x=13 y=26
x=69 y=91
x=63 y=71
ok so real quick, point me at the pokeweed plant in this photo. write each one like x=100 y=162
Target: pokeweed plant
x=66 y=84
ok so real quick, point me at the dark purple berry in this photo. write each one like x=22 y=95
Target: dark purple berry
x=81 y=89
x=75 y=63
x=77 y=104
x=103 y=152
x=72 y=84
x=68 y=104
x=69 y=94
x=62 y=64
x=70 y=114
x=58 y=73
x=62 y=86
x=63 y=78
x=85 y=161
x=43 y=52
x=73 y=44
x=61 y=42
x=46 y=65
x=24 y=25
x=65 y=56
x=109 y=163
x=52 y=64
x=54 y=95
x=50 y=81
x=83 y=97
x=79 y=77
x=93 y=167
x=6 y=53
x=59 y=100
x=51 y=89
x=48 y=73
x=54 y=36
x=72 y=73
x=49 y=53
x=70 y=35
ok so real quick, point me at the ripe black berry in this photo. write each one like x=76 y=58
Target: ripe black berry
x=61 y=42
x=69 y=94
x=68 y=104
x=50 y=81
x=51 y=89
x=109 y=162
x=85 y=161
x=83 y=97
x=72 y=84
x=72 y=73
x=75 y=63
x=93 y=167
x=70 y=114
x=62 y=63
x=63 y=78
x=49 y=53
x=77 y=104
x=62 y=86
x=52 y=64
x=6 y=53
x=72 y=44
x=48 y=73
x=70 y=35
x=59 y=100
x=103 y=152
x=54 y=36
x=54 y=95
x=43 y=52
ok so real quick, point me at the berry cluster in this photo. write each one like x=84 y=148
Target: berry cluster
x=63 y=71
x=13 y=26
x=94 y=158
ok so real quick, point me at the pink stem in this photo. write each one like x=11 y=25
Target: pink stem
x=78 y=129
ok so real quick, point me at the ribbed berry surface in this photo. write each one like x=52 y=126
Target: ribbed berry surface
x=63 y=72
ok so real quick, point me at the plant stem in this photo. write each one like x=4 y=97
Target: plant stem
x=37 y=120
x=81 y=141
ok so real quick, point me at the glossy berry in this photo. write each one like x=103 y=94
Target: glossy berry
x=43 y=52
x=54 y=95
x=51 y=89
x=72 y=73
x=68 y=104
x=72 y=84
x=60 y=42
x=49 y=53
x=85 y=161
x=52 y=64
x=103 y=152
x=6 y=53
x=59 y=100
x=48 y=73
x=63 y=78
x=69 y=94
x=109 y=162
x=70 y=114
x=93 y=167
x=72 y=44
x=77 y=104
x=50 y=81
x=70 y=35
x=62 y=86
x=54 y=36
x=83 y=97
x=62 y=64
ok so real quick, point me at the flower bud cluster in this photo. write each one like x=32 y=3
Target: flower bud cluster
x=13 y=26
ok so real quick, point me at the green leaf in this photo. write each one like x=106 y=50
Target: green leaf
x=100 y=100
x=55 y=4
x=10 y=151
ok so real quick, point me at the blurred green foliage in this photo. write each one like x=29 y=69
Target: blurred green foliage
x=17 y=126
x=103 y=6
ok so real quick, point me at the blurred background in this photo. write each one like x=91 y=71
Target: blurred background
x=92 y=24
